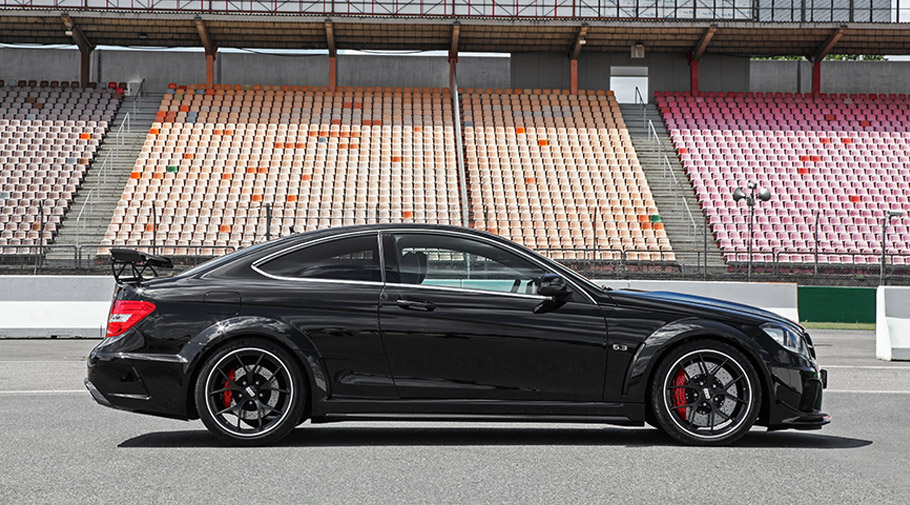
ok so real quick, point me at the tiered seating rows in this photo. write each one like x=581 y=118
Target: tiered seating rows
x=44 y=153
x=321 y=159
x=558 y=171
x=845 y=157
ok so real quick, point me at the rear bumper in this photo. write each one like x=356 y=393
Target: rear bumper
x=148 y=384
x=96 y=395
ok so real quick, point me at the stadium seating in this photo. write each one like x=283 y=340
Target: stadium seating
x=558 y=172
x=214 y=158
x=48 y=138
x=843 y=157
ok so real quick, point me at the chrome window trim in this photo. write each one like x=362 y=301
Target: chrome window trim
x=466 y=290
x=494 y=243
x=255 y=265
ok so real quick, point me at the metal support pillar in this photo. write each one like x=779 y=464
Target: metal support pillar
x=573 y=76
x=693 y=76
x=816 y=77
x=209 y=70
x=84 y=68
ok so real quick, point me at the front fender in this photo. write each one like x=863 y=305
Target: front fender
x=300 y=345
x=668 y=336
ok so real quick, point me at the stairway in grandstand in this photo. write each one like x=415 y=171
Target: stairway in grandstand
x=679 y=209
x=103 y=185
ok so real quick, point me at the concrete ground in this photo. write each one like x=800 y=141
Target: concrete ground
x=58 y=446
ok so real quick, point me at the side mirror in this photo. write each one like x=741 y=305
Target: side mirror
x=552 y=285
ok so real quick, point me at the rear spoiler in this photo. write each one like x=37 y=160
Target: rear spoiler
x=137 y=263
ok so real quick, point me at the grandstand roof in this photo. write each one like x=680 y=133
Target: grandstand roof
x=280 y=31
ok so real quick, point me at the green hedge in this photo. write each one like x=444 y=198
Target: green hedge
x=836 y=304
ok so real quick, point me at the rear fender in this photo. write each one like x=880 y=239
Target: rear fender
x=298 y=343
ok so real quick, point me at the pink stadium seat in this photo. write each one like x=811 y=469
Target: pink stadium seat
x=838 y=155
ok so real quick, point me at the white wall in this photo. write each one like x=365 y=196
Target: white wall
x=779 y=298
x=54 y=305
x=892 y=323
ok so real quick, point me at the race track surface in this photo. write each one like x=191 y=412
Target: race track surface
x=58 y=446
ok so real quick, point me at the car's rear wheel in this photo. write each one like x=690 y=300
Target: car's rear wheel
x=250 y=392
x=705 y=393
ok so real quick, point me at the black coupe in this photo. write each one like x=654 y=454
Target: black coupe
x=416 y=322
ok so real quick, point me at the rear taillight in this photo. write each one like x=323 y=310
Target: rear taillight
x=125 y=314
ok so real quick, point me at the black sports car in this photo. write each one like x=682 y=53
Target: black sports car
x=414 y=322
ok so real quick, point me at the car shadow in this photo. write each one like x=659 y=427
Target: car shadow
x=310 y=436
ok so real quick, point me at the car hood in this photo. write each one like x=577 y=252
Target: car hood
x=700 y=306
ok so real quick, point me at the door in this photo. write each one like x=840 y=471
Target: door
x=329 y=291
x=625 y=80
x=459 y=322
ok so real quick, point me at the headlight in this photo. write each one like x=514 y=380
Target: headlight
x=787 y=338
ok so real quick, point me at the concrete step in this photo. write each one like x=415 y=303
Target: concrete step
x=90 y=214
x=675 y=199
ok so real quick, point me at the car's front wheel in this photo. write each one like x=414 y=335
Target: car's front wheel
x=705 y=393
x=250 y=392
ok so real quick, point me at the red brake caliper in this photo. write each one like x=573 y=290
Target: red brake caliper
x=679 y=394
x=227 y=395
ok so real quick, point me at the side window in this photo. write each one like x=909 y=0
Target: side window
x=435 y=260
x=348 y=259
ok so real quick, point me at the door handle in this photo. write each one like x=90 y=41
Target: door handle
x=418 y=306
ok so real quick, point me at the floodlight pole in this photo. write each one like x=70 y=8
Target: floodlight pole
x=750 y=197
x=817 y=214
x=751 y=202
x=886 y=220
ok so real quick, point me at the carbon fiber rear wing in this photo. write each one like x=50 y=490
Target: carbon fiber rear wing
x=130 y=266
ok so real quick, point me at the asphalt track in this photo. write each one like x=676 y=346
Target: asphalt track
x=58 y=446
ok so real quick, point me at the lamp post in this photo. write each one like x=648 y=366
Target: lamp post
x=886 y=220
x=749 y=194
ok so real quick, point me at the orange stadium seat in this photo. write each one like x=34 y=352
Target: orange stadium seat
x=211 y=164
x=48 y=137
x=558 y=172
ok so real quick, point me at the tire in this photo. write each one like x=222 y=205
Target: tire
x=705 y=393
x=251 y=392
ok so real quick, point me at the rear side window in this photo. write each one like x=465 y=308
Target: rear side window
x=346 y=259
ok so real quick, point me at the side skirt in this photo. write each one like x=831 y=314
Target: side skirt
x=626 y=414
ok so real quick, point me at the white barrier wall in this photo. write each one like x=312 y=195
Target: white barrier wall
x=892 y=323
x=780 y=298
x=77 y=306
x=54 y=305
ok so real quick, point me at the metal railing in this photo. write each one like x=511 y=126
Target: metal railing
x=875 y=11
x=680 y=193
x=135 y=97
x=640 y=100
x=655 y=139
x=80 y=224
x=790 y=266
x=459 y=150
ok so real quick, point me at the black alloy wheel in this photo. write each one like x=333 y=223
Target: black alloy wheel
x=706 y=393
x=250 y=392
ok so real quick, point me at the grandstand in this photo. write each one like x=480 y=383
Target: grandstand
x=49 y=134
x=836 y=161
x=214 y=158
x=536 y=146
x=558 y=172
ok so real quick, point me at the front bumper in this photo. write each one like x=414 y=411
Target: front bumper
x=796 y=400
